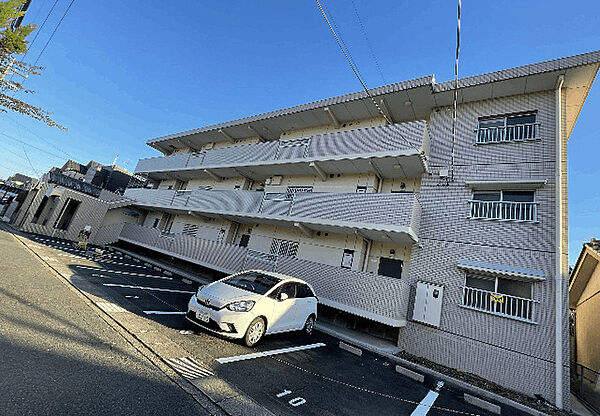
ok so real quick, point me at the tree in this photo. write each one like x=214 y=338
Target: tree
x=13 y=43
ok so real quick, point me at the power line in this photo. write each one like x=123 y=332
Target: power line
x=53 y=32
x=37 y=33
x=35 y=147
x=351 y=64
x=362 y=27
x=30 y=164
x=40 y=137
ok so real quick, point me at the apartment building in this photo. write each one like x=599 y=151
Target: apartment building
x=455 y=249
x=66 y=200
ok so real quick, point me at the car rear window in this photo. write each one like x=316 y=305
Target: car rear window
x=254 y=282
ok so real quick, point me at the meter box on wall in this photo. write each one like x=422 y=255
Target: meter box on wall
x=428 y=303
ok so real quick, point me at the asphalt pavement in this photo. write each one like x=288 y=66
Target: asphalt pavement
x=297 y=374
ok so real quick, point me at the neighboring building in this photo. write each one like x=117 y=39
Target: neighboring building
x=66 y=200
x=109 y=177
x=456 y=252
x=11 y=198
x=19 y=180
x=584 y=300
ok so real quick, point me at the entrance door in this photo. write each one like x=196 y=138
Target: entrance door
x=244 y=240
x=390 y=267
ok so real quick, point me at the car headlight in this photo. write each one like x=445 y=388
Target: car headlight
x=200 y=288
x=241 y=306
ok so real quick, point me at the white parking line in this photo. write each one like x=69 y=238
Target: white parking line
x=428 y=401
x=152 y=276
x=163 y=313
x=227 y=360
x=189 y=368
x=158 y=289
x=110 y=307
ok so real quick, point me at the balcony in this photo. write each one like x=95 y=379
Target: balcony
x=514 y=307
x=379 y=298
x=503 y=210
x=399 y=150
x=510 y=133
x=379 y=217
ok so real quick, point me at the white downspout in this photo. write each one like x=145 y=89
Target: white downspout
x=558 y=277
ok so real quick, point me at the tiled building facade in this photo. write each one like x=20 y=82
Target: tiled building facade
x=460 y=248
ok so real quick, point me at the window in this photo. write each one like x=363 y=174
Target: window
x=303 y=291
x=254 y=282
x=515 y=127
x=291 y=190
x=39 y=210
x=504 y=205
x=284 y=247
x=156 y=221
x=361 y=189
x=66 y=216
x=347 y=258
x=499 y=296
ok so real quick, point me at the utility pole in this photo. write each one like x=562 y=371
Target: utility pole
x=17 y=22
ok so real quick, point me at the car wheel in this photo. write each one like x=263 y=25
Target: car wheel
x=309 y=325
x=255 y=332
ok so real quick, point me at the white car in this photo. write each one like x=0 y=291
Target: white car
x=253 y=303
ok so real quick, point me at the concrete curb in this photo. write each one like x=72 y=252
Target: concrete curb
x=476 y=401
x=409 y=373
x=351 y=349
x=197 y=394
x=451 y=381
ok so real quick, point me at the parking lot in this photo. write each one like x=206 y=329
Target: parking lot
x=295 y=374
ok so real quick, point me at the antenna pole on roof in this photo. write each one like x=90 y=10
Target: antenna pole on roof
x=454 y=104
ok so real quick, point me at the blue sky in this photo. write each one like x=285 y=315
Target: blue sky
x=120 y=72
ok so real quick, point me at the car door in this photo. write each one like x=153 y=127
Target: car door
x=283 y=316
x=304 y=304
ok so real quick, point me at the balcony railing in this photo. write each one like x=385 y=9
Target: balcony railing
x=514 y=133
x=503 y=210
x=318 y=147
x=386 y=209
x=499 y=304
x=379 y=298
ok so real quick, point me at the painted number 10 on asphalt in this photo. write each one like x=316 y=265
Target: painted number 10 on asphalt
x=296 y=401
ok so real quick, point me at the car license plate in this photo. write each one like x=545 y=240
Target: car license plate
x=202 y=316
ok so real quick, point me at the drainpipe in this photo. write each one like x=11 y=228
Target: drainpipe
x=558 y=276
x=367 y=255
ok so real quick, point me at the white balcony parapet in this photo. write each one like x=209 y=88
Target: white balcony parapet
x=514 y=133
x=394 y=212
x=396 y=139
x=508 y=306
x=385 y=301
x=503 y=210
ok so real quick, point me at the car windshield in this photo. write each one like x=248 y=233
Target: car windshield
x=253 y=282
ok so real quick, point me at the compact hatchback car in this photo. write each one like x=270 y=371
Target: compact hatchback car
x=253 y=303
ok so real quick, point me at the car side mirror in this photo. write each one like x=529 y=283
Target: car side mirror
x=283 y=296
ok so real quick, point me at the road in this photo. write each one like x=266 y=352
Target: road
x=59 y=357
x=315 y=380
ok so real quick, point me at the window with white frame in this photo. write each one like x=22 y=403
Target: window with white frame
x=507 y=128
x=499 y=296
x=503 y=205
x=190 y=229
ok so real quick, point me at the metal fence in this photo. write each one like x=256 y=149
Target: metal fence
x=499 y=134
x=503 y=210
x=585 y=385
x=499 y=303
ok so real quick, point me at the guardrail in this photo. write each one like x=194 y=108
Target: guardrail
x=585 y=384
x=499 y=134
x=499 y=304
x=503 y=210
